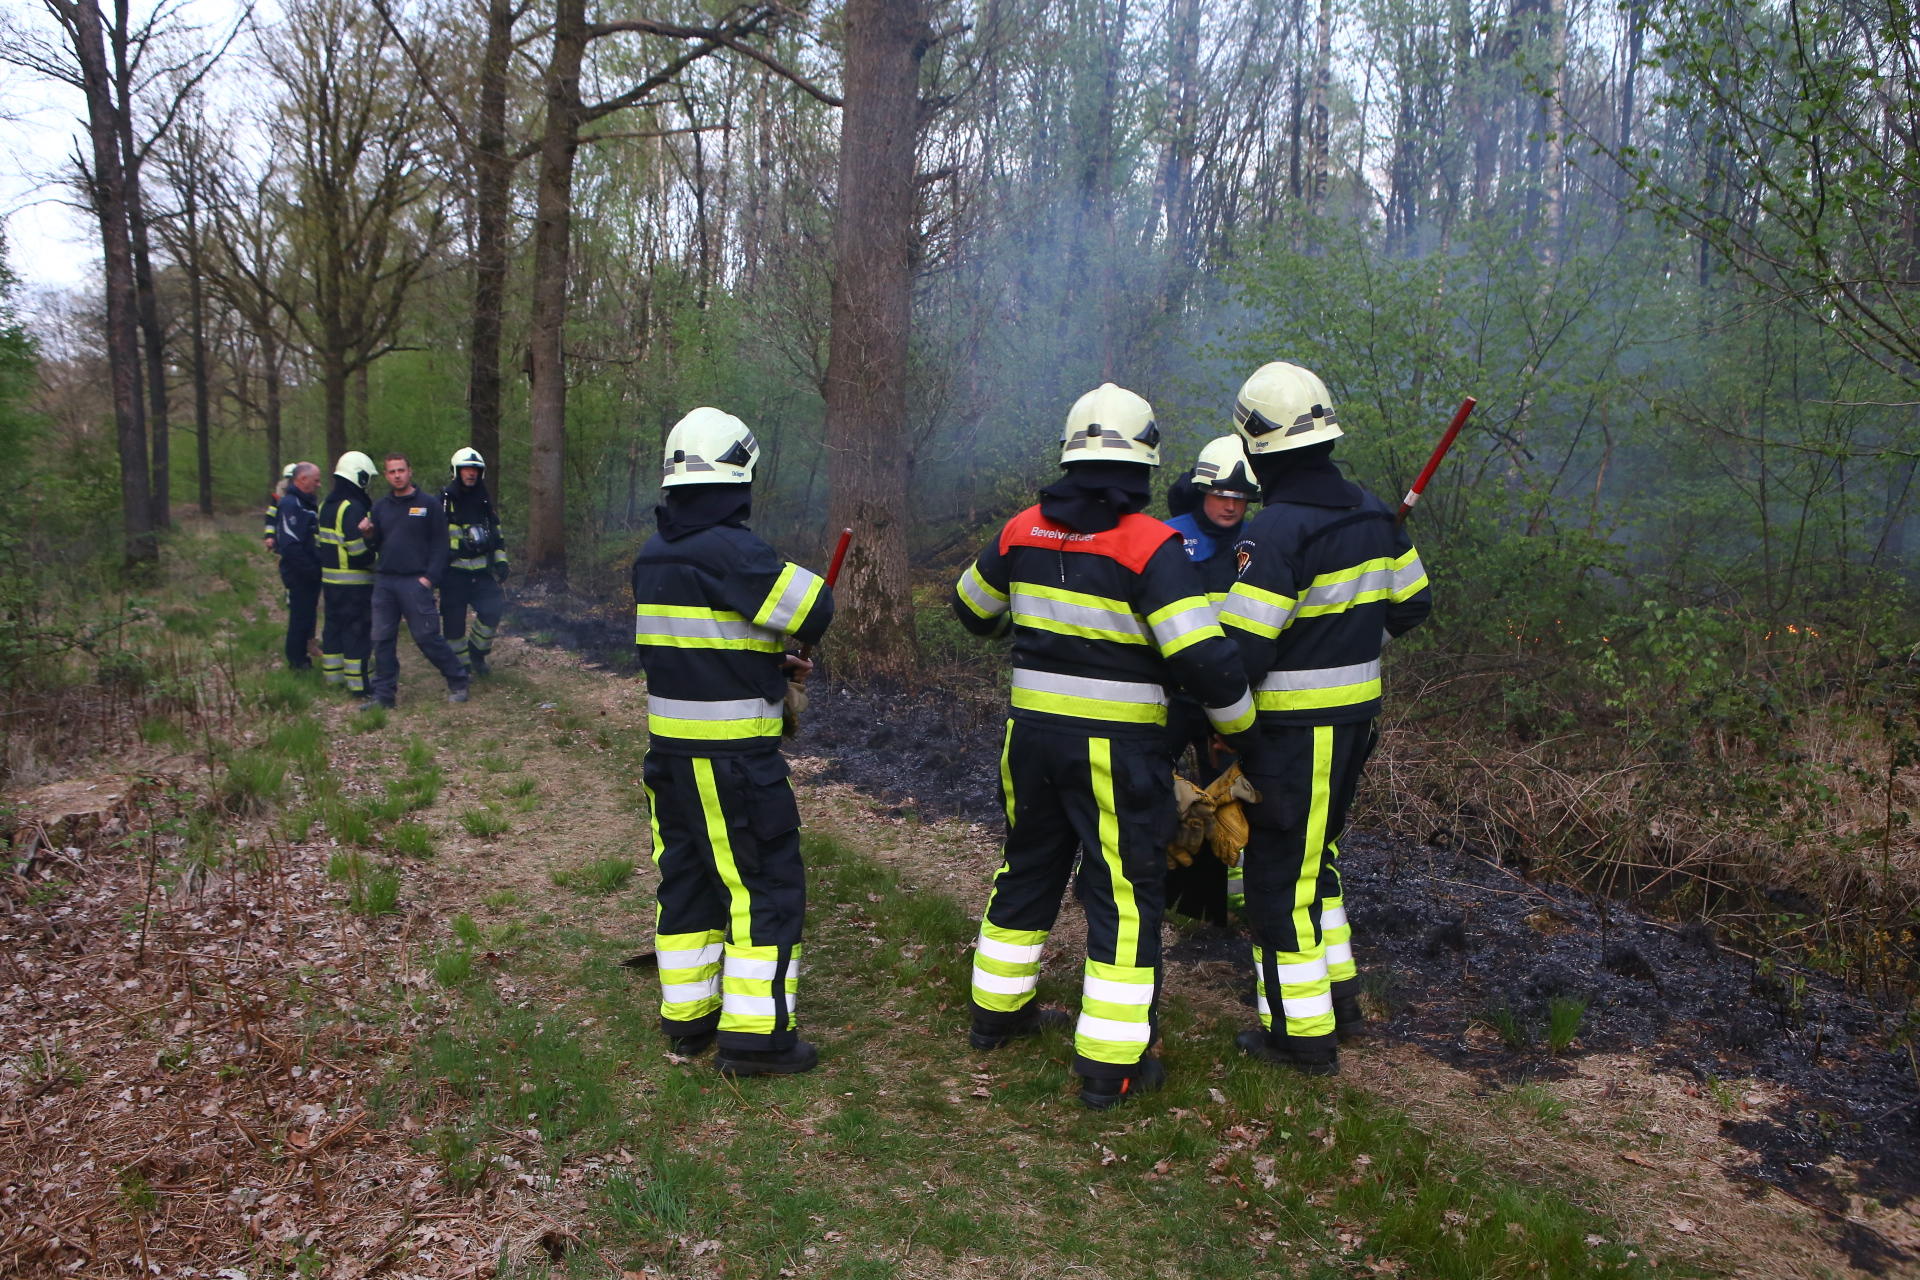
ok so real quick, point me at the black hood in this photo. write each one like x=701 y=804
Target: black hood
x=1306 y=475
x=689 y=508
x=345 y=488
x=1182 y=496
x=1092 y=496
x=467 y=504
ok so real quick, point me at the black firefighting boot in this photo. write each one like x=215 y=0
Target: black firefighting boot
x=1037 y=1020
x=792 y=1061
x=477 y=663
x=1285 y=1051
x=691 y=1046
x=1349 y=1023
x=1103 y=1093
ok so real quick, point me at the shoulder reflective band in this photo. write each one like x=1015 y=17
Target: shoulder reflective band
x=1075 y=613
x=790 y=601
x=1183 y=623
x=1250 y=608
x=981 y=597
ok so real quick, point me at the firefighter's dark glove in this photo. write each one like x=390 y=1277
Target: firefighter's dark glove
x=500 y=570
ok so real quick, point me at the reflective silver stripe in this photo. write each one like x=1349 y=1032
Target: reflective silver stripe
x=1305 y=971
x=1307 y=1006
x=733 y=627
x=1339 y=952
x=1093 y=1027
x=688 y=959
x=1007 y=952
x=473 y=564
x=1240 y=605
x=1001 y=985
x=687 y=992
x=1169 y=630
x=1087 y=687
x=1112 y=992
x=726 y=709
x=1324 y=594
x=1070 y=614
x=801 y=585
x=1319 y=678
x=736 y=1003
x=760 y=970
x=978 y=593
x=1332 y=918
x=1408 y=576
x=1230 y=716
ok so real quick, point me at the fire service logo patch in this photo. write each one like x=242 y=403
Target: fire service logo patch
x=1242 y=556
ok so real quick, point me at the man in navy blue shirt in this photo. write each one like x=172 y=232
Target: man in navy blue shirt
x=409 y=528
x=295 y=522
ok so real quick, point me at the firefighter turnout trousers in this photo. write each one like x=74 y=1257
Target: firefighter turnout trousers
x=462 y=588
x=732 y=897
x=346 y=635
x=1065 y=791
x=1302 y=945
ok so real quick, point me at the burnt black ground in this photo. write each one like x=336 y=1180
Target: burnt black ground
x=1446 y=937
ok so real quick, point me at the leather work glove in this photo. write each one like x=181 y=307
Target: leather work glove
x=1196 y=815
x=499 y=569
x=792 y=708
x=1230 y=794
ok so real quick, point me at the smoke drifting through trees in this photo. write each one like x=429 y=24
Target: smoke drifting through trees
x=1675 y=263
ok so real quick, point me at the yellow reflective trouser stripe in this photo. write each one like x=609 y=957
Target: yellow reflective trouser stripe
x=1116 y=1011
x=1006 y=773
x=1338 y=934
x=689 y=974
x=747 y=1001
x=1006 y=966
x=740 y=905
x=1126 y=944
x=1305 y=996
x=1066 y=704
x=333 y=667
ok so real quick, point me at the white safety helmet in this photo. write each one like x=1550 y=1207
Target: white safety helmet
x=1110 y=424
x=356 y=467
x=286 y=472
x=1222 y=468
x=709 y=447
x=467 y=457
x=1283 y=406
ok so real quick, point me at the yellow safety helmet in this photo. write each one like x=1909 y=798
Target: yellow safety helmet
x=1283 y=406
x=709 y=446
x=356 y=467
x=1223 y=468
x=1110 y=424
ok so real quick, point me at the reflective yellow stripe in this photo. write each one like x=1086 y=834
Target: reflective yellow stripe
x=346 y=577
x=1183 y=623
x=1085 y=698
x=1255 y=609
x=740 y=905
x=1315 y=689
x=1076 y=613
x=1126 y=944
x=982 y=598
x=1233 y=718
x=793 y=596
x=695 y=627
x=1006 y=774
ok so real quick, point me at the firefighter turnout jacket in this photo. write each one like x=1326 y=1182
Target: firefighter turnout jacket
x=345 y=558
x=1320 y=588
x=711 y=610
x=1102 y=623
x=473 y=527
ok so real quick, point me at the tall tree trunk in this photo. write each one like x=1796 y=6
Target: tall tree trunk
x=874 y=248
x=197 y=324
x=1318 y=127
x=546 y=474
x=147 y=300
x=109 y=193
x=1553 y=170
x=270 y=357
x=333 y=385
x=493 y=177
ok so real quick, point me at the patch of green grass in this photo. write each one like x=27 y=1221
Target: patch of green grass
x=297 y=827
x=1508 y=1026
x=136 y=1194
x=502 y=900
x=1564 y=1017
x=463 y=1160
x=197 y=623
x=520 y=788
x=347 y=822
x=410 y=840
x=301 y=740
x=162 y=731
x=348 y=864
x=484 y=823
x=285 y=691
x=377 y=893
x=418 y=790
x=453 y=966
x=372 y=720
x=465 y=930
x=602 y=875
x=1538 y=1101
x=494 y=762
x=418 y=755
x=253 y=783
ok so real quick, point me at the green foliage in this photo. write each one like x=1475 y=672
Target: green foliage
x=484 y=823
x=1564 y=1017
x=410 y=840
x=602 y=875
x=376 y=893
x=253 y=782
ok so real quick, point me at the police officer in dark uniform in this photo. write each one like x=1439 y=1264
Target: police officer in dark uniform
x=409 y=529
x=346 y=574
x=296 y=521
x=1105 y=611
x=713 y=606
x=478 y=565
x=1325 y=574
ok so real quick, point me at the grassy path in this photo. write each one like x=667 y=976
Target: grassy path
x=489 y=865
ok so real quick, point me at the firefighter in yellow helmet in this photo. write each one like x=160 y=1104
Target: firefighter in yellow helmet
x=1325 y=573
x=713 y=608
x=478 y=565
x=346 y=574
x=1105 y=612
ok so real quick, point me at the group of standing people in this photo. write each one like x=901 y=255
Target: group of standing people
x=1261 y=639
x=377 y=562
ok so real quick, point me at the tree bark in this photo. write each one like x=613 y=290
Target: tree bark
x=139 y=548
x=492 y=177
x=197 y=328
x=147 y=301
x=560 y=141
x=874 y=246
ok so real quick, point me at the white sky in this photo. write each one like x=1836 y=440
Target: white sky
x=51 y=244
